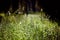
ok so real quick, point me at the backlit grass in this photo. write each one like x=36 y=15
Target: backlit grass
x=31 y=27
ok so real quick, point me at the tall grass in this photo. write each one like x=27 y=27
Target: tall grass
x=31 y=27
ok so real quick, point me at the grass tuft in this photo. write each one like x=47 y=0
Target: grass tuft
x=31 y=27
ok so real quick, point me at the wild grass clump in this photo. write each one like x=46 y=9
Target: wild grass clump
x=31 y=27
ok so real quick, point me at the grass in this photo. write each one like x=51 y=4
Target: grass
x=31 y=27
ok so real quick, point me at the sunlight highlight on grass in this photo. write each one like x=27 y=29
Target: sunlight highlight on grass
x=31 y=27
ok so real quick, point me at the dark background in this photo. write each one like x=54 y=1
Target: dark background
x=51 y=7
x=5 y=4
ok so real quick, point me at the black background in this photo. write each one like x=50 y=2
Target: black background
x=51 y=7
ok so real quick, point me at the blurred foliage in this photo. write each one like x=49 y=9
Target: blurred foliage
x=32 y=27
